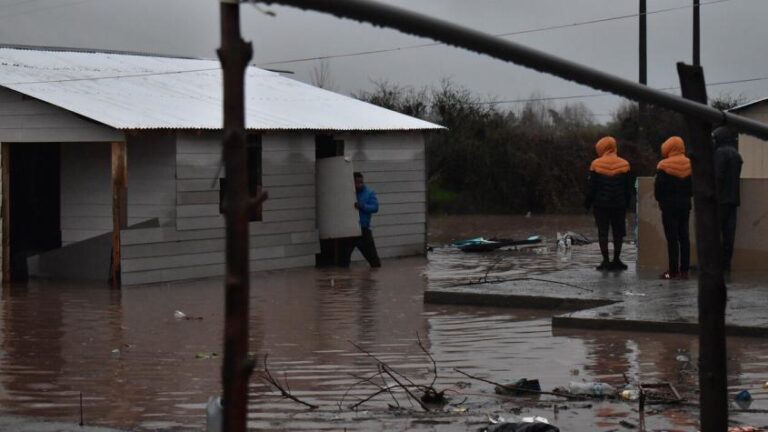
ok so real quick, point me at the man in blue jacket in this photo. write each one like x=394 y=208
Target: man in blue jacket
x=366 y=205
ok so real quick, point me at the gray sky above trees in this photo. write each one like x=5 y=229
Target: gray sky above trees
x=734 y=41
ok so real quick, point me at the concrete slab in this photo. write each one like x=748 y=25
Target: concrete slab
x=618 y=300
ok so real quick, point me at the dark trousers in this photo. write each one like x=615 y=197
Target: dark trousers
x=678 y=240
x=728 y=232
x=365 y=244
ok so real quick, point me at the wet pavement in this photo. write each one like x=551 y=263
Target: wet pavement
x=139 y=368
x=628 y=300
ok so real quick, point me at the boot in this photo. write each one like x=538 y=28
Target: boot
x=617 y=264
x=606 y=264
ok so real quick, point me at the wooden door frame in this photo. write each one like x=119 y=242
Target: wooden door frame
x=119 y=206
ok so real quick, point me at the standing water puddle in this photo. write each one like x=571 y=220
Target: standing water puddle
x=140 y=368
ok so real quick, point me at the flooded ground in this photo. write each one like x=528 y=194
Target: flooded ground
x=139 y=368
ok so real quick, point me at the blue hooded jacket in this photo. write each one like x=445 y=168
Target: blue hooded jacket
x=368 y=204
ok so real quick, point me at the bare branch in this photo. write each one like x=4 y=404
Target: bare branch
x=267 y=377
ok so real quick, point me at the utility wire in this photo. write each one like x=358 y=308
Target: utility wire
x=514 y=33
x=41 y=9
x=591 y=95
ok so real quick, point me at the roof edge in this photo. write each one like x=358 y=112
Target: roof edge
x=94 y=51
x=747 y=105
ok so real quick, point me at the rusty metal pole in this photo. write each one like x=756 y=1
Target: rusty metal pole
x=234 y=55
x=713 y=398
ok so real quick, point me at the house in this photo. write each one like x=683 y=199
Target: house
x=750 y=247
x=754 y=151
x=114 y=158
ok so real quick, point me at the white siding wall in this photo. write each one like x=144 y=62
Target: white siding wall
x=286 y=237
x=23 y=119
x=86 y=190
x=754 y=151
x=152 y=178
x=86 y=185
x=393 y=165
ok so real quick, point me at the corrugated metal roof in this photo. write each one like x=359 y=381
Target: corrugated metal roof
x=748 y=104
x=151 y=92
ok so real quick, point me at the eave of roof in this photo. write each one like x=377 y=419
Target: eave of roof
x=129 y=91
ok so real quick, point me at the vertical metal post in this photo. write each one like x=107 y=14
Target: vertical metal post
x=5 y=166
x=642 y=60
x=696 y=34
x=119 y=207
x=234 y=55
x=713 y=397
x=643 y=49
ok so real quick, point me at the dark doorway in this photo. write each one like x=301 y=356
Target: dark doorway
x=330 y=249
x=35 y=215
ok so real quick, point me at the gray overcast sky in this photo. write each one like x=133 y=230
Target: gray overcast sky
x=734 y=40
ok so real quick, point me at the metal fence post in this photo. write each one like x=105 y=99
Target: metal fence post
x=713 y=397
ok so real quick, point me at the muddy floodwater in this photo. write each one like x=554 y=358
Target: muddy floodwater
x=138 y=367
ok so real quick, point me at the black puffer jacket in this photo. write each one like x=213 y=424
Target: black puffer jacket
x=673 y=193
x=609 y=191
x=727 y=166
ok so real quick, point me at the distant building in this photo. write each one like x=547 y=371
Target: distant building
x=753 y=150
x=75 y=124
x=751 y=246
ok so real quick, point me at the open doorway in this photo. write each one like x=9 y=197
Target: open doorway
x=331 y=250
x=34 y=202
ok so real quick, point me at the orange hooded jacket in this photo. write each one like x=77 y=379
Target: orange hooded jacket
x=610 y=185
x=608 y=162
x=675 y=162
x=673 y=187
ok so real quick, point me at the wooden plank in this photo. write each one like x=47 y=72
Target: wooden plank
x=199 y=185
x=88 y=223
x=370 y=166
x=277 y=192
x=119 y=206
x=217 y=257
x=390 y=155
x=415 y=186
x=198 y=223
x=394 y=176
x=396 y=230
x=73 y=134
x=398 y=240
x=398 y=219
x=198 y=246
x=283 y=168
x=289 y=180
x=187 y=143
x=197 y=210
x=71 y=236
x=198 y=172
x=199 y=159
x=188 y=198
x=289 y=215
x=197 y=272
x=398 y=197
x=160 y=235
x=5 y=167
x=402 y=208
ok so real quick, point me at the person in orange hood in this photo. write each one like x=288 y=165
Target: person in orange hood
x=673 y=189
x=609 y=194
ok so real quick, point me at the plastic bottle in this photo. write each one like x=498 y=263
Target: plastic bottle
x=591 y=388
x=213 y=414
x=630 y=394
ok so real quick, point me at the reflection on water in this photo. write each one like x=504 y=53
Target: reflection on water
x=138 y=367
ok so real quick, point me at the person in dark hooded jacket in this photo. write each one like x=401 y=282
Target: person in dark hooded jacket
x=609 y=193
x=727 y=174
x=673 y=189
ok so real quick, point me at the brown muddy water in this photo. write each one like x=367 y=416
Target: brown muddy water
x=139 y=368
